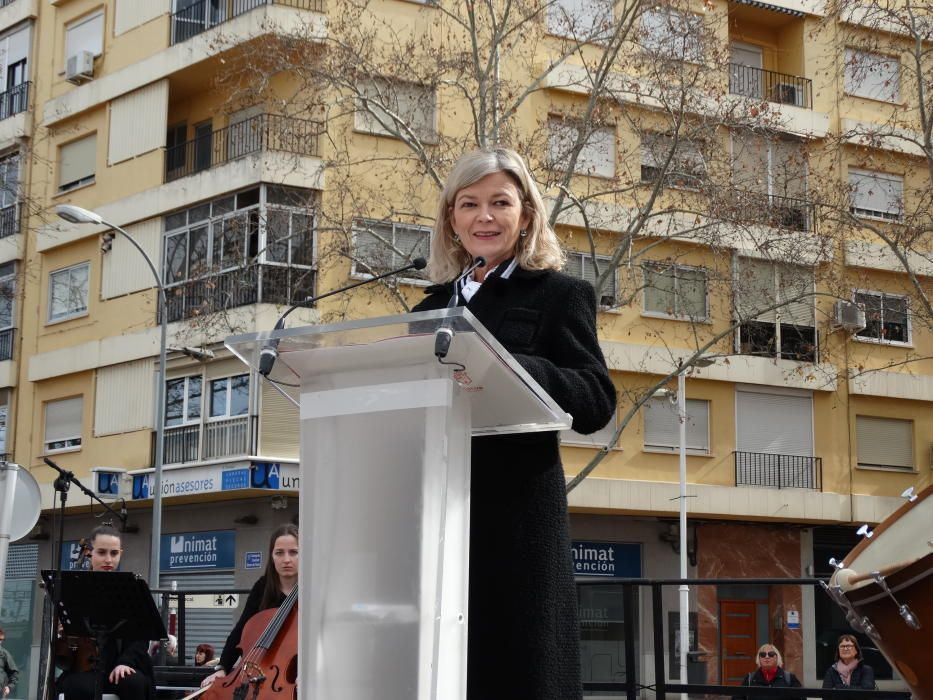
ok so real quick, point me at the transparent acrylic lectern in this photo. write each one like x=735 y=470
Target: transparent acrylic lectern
x=385 y=493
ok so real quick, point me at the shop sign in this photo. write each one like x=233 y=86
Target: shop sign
x=188 y=481
x=609 y=559
x=254 y=560
x=71 y=551
x=198 y=550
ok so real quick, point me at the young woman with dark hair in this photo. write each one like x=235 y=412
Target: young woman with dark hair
x=280 y=577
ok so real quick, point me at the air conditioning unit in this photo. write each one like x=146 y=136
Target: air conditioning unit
x=787 y=94
x=848 y=316
x=80 y=67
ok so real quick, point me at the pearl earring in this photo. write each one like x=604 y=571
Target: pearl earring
x=523 y=233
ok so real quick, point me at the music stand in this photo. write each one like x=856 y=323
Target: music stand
x=105 y=605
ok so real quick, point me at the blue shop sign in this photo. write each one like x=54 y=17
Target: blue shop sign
x=254 y=560
x=215 y=549
x=265 y=475
x=609 y=559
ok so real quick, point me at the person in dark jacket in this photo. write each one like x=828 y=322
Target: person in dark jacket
x=770 y=673
x=523 y=638
x=9 y=673
x=269 y=591
x=849 y=671
x=127 y=665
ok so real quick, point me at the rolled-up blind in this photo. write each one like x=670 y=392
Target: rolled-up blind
x=885 y=442
x=63 y=419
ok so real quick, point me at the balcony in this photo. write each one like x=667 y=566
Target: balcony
x=771 y=86
x=9 y=220
x=253 y=284
x=778 y=471
x=201 y=16
x=14 y=100
x=213 y=439
x=264 y=132
x=790 y=213
x=6 y=344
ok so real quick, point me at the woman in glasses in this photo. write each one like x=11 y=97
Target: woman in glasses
x=849 y=671
x=770 y=673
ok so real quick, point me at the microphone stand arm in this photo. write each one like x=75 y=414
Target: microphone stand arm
x=66 y=478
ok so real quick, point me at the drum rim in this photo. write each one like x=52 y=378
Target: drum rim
x=887 y=523
x=915 y=571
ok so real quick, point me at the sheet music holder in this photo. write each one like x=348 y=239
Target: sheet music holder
x=106 y=605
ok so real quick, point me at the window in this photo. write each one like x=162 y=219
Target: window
x=675 y=290
x=787 y=331
x=771 y=175
x=672 y=34
x=77 y=163
x=9 y=195
x=7 y=294
x=379 y=99
x=579 y=19
x=687 y=167
x=876 y=195
x=230 y=396
x=581 y=265
x=598 y=439
x=63 y=424
x=85 y=34
x=182 y=401
x=872 y=75
x=68 y=292
x=4 y=413
x=885 y=442
x=886 y=317
x=662 y=425
x=380 y=246
x=597 y=155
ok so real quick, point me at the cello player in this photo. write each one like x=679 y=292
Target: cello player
x=280 y=577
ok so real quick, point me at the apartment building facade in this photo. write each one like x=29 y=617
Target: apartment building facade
x=715 y=168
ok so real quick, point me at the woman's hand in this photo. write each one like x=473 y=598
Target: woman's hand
x=219 y=673
x=120 y=672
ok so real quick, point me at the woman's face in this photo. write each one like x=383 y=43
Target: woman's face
x=199 y=658
x=767 y=657
x=487 y=216
x=285 y=556
x=847 y=650
x=105 y=553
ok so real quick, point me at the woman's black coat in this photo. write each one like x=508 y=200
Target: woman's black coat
x=783 y=679
x=863 y=678
x=524 y=635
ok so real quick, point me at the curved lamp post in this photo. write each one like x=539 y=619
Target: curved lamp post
x=77 y=215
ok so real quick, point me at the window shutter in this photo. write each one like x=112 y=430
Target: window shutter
x=876 y=192
x=794 y=281
x=278 y=424
x=117 y=410
x=754 y=290
x=774 y=423
x=138 y=122
x=86 y=34
x=662 y=424
x=659 y=290
x=884 y=442
x=63 y=419
x=78 y=160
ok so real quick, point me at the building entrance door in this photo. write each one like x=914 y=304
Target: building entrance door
x=738 y=639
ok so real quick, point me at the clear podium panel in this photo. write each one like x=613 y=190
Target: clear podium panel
x=384 y=519
x=504 y=397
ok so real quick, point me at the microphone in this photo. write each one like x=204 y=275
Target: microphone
x=270 y=351
x=445 y=334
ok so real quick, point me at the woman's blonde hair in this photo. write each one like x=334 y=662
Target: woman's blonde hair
x=539 y=250
x=770 y=647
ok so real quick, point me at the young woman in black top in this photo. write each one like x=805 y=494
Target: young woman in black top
x=269 y=591
x=127 y=665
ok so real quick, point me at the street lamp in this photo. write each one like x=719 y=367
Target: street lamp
x=77 y=215
x=682 y=452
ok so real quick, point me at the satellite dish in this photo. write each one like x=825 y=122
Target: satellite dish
x=27 y=502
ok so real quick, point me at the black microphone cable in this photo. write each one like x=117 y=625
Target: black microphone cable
x=270 y=350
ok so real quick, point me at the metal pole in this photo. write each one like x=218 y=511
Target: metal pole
x=155 y=544
x=684 y=588
x=7 y=497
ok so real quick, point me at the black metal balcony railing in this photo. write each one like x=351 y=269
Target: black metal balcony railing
x=773 y=210
x=771 y=86
x=182 y=444
x=6 y=344
x=201 y=16
x=14 y=100
x=4 y=3
x=264 y=132
x=268 y=284
x=9 y=220
x=777 y=470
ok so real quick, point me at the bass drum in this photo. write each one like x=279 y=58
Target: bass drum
x=886 y=589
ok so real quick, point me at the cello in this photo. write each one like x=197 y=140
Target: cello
x=268 y=666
